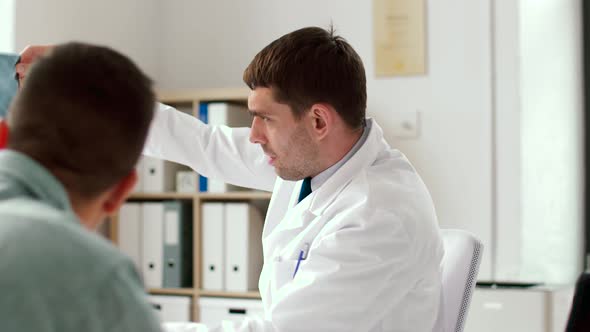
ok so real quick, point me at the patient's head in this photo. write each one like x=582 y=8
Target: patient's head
x=84 y=113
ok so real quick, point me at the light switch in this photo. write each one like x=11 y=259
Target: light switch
x=406 y=124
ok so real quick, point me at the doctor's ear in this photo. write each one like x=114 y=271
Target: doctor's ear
x=322 y=117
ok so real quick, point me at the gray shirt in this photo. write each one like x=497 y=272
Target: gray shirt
x=55 y=275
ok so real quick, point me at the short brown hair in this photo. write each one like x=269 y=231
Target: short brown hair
x=83 y=113
x=309 y=66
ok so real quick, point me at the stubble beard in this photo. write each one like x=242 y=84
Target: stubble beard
x=302 y=156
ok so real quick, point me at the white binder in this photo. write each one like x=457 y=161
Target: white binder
x=129 y=232
x=152 y=244
x=243 y=247
x=171 y=308
x=159 y=175
x=232 y=115
x=187 y=181
x=213 y=228
x=139 y=169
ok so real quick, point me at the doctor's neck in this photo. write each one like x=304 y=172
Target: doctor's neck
x=336 y=145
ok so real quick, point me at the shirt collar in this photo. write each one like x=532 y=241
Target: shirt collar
x=321 y=178
x=33 y=178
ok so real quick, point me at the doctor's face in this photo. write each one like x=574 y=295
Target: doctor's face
x=286 y=141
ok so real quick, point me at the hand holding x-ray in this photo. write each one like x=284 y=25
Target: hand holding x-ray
x=28 y=57
x=8 y=85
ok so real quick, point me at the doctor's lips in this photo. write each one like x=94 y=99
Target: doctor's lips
x=271 y=158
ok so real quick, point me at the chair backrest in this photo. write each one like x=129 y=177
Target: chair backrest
x=459 y=272
x=579 y=319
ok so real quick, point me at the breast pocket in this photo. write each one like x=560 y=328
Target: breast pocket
x=282 y=274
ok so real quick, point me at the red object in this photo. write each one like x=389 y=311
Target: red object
x=3 y=134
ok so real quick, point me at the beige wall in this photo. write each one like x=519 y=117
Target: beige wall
x=131 y=26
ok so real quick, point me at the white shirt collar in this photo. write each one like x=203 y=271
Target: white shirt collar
x=321 y=178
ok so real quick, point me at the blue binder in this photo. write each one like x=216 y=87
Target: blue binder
x=204 y=117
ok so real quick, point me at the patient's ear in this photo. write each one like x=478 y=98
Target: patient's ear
x=119 y=193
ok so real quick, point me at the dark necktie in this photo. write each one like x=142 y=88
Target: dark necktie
x=305 y=189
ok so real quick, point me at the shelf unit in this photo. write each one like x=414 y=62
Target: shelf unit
x=172 y=291
x=247 y=295
x=193 y=98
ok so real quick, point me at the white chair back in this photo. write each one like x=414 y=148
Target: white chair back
x=459 y=273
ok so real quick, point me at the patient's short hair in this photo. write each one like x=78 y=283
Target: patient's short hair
x=83 y=113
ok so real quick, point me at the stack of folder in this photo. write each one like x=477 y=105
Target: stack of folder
x=232 y=246
x=227 y=114
x=157 y=236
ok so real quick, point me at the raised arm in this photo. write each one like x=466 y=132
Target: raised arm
x=217 y=152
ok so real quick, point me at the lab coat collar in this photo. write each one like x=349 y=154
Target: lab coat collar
x=315 y=204
x=362 y=159
x=299 y=214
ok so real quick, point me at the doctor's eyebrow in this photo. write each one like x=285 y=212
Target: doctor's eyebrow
x=258 y=113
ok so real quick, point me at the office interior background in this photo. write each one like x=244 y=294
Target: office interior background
x=494 y=126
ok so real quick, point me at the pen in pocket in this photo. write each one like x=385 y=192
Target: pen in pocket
x=302 y=256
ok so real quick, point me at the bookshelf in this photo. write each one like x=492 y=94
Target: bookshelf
x=172 y=291
x=191 y=99
x=247 y=295
x=160 y=196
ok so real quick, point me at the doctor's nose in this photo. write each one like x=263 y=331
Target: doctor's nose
x=256 y=133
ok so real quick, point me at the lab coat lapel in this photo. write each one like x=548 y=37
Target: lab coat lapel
x=296 y=218
x=282 y=229
x=283 y=207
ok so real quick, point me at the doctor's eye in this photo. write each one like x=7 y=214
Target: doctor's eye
x=263 y=117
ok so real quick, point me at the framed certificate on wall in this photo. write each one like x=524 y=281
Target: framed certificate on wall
x=399 y=37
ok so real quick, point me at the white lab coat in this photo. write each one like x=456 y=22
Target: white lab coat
x=375 y=249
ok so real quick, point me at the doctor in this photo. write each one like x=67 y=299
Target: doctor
x=351 y=241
